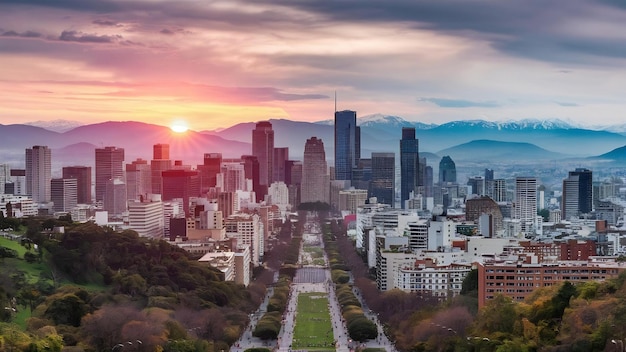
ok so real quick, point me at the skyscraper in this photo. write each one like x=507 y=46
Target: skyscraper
x=315 y=178
x=82 y=174
x=346 y=137
x=585 y=189
x=138 y=179
x=409 y=164
x=251 y=167
x=109 y=165
x=383 y=177
x=208 y=171
x=160 y=162
x=281 y=155
x=263 y=149
x=64 y=194
x=447 y=170
x=526 y=201
x=38 y=173
x=181 y=184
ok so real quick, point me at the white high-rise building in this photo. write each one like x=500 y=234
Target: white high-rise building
x=115 y=197
x=526 y=202
x=38 y=173
x=146 y=217
x=278 y=194
x=247 y=229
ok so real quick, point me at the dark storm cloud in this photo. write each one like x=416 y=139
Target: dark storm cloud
x=75 y=36
x=536 y=29
x=27 y=34
x=459 y=103
x=77 y=5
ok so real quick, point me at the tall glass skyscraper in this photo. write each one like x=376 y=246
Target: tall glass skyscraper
x=109 y=166
x=347 y=150
x=383 y=177
x=409 y=164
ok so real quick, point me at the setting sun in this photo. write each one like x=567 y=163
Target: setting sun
x=179 y=126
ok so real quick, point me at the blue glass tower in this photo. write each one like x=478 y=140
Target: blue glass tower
x=409 y=163
x=346 y=144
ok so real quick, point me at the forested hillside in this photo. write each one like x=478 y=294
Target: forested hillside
x=96 y=288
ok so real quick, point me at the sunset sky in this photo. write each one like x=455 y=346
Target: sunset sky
x=217 y=63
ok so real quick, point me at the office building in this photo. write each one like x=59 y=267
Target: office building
x=18 y=176
x=109 y=165
x=212 y=165
x=263 y=149
x=315 y=179
x=409 y=164
x=281 y=155
x=447 y=170
x=82 y=175
x=38 y=173
x=5 y=176
x=64 y=194
x=584 y=202
x=383 y=182
x=146 y=217
x=115 y=198
x=182 y=184
x=160 y=162
x=526 y=202
x=346 y=149
x=138 y=180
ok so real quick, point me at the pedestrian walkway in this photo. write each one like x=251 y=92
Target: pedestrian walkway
x=311 y=279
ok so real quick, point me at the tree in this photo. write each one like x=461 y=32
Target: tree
x=67 y=309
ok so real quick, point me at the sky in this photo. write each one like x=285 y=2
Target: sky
x=212 y=64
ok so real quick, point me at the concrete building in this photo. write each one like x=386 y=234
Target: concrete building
x=518 y=279
x=38 y=173
x=138 y=180
x=425 y=276
x=64 y=194
x=109 y=165
x=315 y=179
x=526 y=203
x=82 y=174
x=263 y=149
x=160 y=162
x=247 y=229
x=146 y=217
x=115 y=198
x=350 y=200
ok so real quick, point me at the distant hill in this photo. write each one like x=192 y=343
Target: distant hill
x=617 y=154
x=497 y=150
x=59 y=125
x=136 y=138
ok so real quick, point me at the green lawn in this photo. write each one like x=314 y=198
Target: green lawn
x=313 y=330
x=315 y=252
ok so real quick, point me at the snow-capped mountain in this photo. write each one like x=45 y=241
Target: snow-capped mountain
x=384 y=121
x=59 y=125
x=526 y=124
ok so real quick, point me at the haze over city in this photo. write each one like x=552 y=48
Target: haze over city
x=215 y=64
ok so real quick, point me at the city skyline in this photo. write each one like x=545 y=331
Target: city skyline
x=212 y=65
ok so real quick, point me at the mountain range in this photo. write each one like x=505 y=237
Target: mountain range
x=468 y=140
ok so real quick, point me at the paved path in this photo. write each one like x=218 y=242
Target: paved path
x=311 y=279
